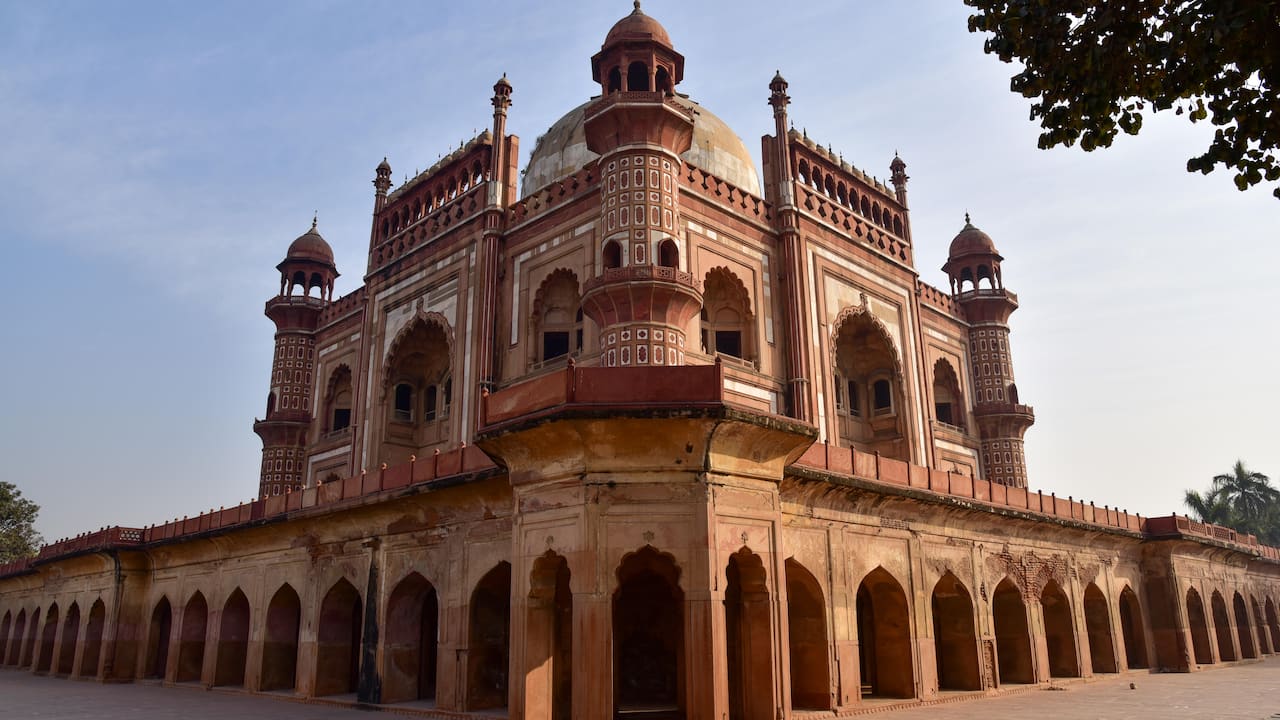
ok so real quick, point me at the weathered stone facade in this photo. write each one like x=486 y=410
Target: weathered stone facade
x=653 y=439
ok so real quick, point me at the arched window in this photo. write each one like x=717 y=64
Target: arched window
x=947 y=405
x=638 y=77
x=662 y=81
x=881 y=397
x=669 y=254
x=338 y=401
x=868 y=387
x=558 y=316
x=615 y=80
x=612 y=255
x=726 y=316
x=403 y=411
x=429 y=403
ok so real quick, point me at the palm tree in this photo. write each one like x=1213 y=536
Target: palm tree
x=1210 y=507
x=1241 y=499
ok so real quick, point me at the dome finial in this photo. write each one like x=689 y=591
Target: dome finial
x=315 y=218
x=637 y=6
x=966 y=218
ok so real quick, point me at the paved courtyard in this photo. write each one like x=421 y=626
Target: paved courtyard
x=1243 y=692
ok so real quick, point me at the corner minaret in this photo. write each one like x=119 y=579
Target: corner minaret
x=307 y=266
x=973 y=265
x=641 y=298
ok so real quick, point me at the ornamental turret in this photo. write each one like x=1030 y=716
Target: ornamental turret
x=973 y=266
x=641 y=298
x=307 y=266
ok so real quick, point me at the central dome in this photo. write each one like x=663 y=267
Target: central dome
x=716 y=149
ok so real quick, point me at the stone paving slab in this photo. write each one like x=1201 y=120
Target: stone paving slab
x=1240 y=692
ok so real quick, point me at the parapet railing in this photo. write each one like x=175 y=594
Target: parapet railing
x=461 y=461
x=848 y=461
x=868 y=466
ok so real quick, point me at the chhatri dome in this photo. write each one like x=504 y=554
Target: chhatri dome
x=716 y=148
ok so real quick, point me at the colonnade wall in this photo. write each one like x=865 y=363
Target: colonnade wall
x=613 y=580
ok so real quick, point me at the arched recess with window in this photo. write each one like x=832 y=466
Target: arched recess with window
x=557 y=317
x=948 y=402
x=418 y=388
x=337 y=402
x=869 y=399
x=727 y=321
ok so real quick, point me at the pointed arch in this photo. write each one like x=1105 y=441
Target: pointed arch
x=416 y=379
x=955 y=636
x=6 y=626
x=1132 y=630
x=91 y=656
x=1244 y=628
x=549 y=637
x=338 y=400
x=430 y=321
x=884 y=636
x=411 y=641
x=338 y=633
x=747 y=633
x=807 y=639
x=1198 y=623
x=1013 y=637
x=233 y=641
x=948 y=401
x=489 y=640
x=1097 y=621
x=557 y=316
x=869 y=386
x=648 y=633
x=1059 y=631
x=158 y=639
x=1222 y=626
x=1273 y=623
x=31 y=650
x=70 y=636
x=13 y=652
x=280 y=642
x=195 y=625
x=728 y=322
x=44 y=661
x=1264 y=642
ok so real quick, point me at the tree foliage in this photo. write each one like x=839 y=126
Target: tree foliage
x=1093 y=69
x=18 y=536
x=1243 y=500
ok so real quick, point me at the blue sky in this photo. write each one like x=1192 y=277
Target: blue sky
x=158 y=158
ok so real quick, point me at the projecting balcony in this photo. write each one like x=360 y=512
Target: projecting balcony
x=642 y=293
